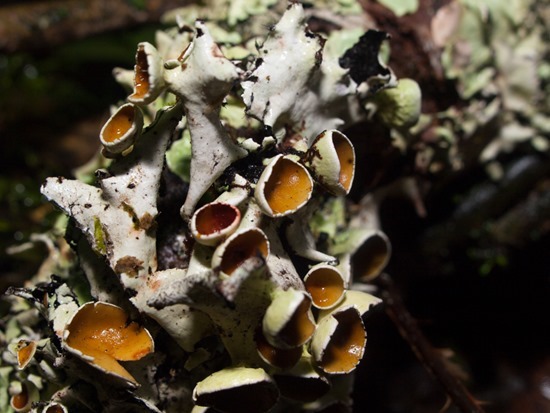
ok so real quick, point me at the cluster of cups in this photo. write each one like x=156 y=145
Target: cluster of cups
x=290 y=339
x=312 y=327
x=337 y=338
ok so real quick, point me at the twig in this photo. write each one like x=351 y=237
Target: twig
x=424 y=351
x=495 y=201
x=528 y=220
x=44 y=24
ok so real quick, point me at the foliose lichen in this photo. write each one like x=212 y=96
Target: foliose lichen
x=497 y=55
x=262 y=299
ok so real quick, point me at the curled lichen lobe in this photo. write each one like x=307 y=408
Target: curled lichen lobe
x=103 y=334
x=216 y=218
x=141 y=80
x=119 y=124
x=288 y=186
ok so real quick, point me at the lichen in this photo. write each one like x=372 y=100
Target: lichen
x=252 y=132
x=496 y=53
x=401 y=7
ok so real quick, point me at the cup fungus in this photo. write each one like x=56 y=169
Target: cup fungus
x=326 y=285
x=331 y=158
x=148 y=75
x=288 y=321
x=237 y=389
x=23 y=394
x=20 y=401
x=339 y=342
x=276 y=357
x=284 y=187
x=25 y=350
x=239 y=247
x=122 y=129
x=101 y=334
x=372 y=256
x=214 y=222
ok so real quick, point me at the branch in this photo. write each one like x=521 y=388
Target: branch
x=424 y=351
x=44 y=24
x=527 y=221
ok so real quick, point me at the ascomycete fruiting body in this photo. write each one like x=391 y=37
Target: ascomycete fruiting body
x=214 y=222
x=148 y=75
x=238 y=319
x=326 y=285
x=284 y=187
x=121 y=130
x=331 y=157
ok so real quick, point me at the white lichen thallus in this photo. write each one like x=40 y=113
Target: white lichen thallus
x=281 y=330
